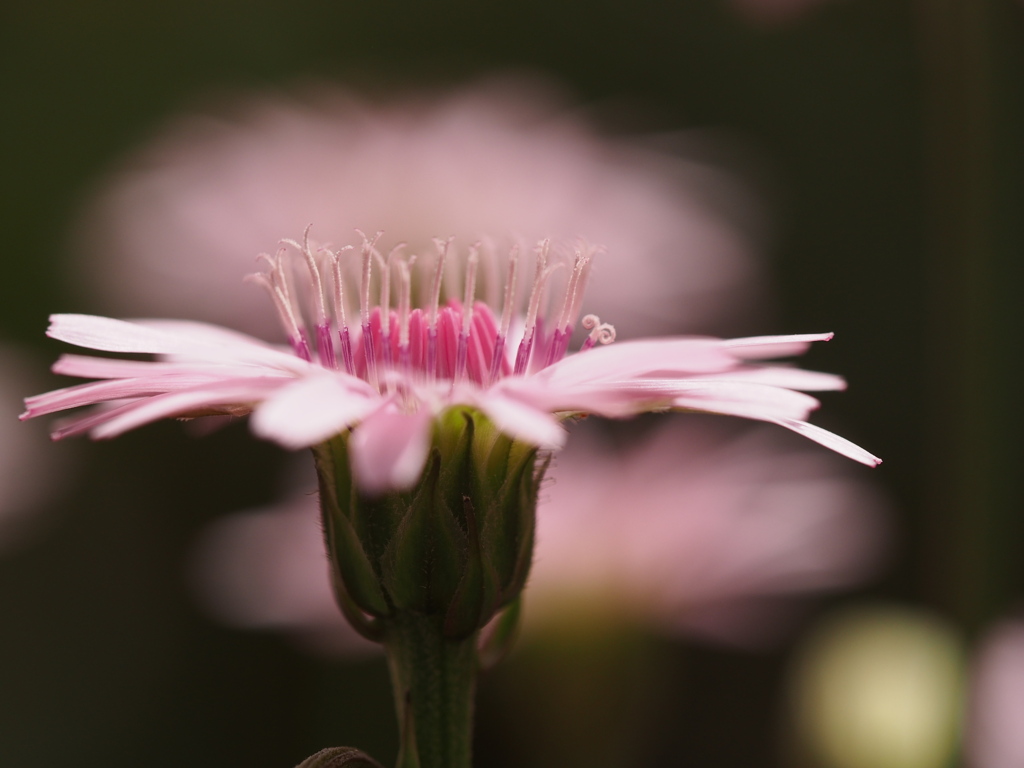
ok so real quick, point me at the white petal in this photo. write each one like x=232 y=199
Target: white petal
x=197 y=330
x=195 y=340
x=389 y=449
x=110 y=335
x=830 y=440
x=312 y=410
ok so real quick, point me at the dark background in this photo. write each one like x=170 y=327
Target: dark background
x=892 y=131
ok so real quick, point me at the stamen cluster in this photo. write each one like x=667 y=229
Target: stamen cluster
x=416 y=323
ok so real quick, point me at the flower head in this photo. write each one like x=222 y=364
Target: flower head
x=416 y=341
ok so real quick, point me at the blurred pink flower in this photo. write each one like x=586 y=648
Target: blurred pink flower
x=268 y=569
x=171 y=231
x=694 y=530
x=30 y=473
x=995 y=726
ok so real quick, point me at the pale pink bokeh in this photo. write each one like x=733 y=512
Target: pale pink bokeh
x=995 y=720
x=700 y=529
x=173 y=229
x=694 y=529
x=267 y=569
x=31 y=472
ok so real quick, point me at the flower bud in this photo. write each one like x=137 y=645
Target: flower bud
x=456 y=546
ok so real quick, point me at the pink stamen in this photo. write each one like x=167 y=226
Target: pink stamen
x=454 y=342
x=506 y=316
x=339 y=310
x=277 y=288
x=385 y=302
x=600 y=333
x=364 y=308
x=570 y=308
x=404 y=301
x=542 y=275
x=581 y=270
x=467 y=312
x=433 y=305
x=324 y=344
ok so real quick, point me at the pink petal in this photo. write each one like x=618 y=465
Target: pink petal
x=760 y=347
x=88 y=367
x=234 y=394
x=632 y=359
x=522 y=421
x=759 y=412
x=313 y=409
x=781 y=376
x=769 y=402
x=619 y=399
x=610 y=399
x=747 y=409
x=389 y=449
x=117 y=389
x=81 y=423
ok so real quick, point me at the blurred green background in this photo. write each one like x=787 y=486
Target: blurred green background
x=892 y=131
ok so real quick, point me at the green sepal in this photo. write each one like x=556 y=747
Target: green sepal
x=422 y=561
x=362 y=584
x=405 y=565
x=457 y=545
x=508 y=528
x=370 y=627
x=528 y=490
x=463 y=615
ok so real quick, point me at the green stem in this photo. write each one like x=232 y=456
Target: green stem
x=434 y=680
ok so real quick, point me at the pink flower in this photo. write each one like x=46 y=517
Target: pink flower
x=171 y=231
x=389 y=375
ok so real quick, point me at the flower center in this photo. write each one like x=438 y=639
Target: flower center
x=451 y=334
